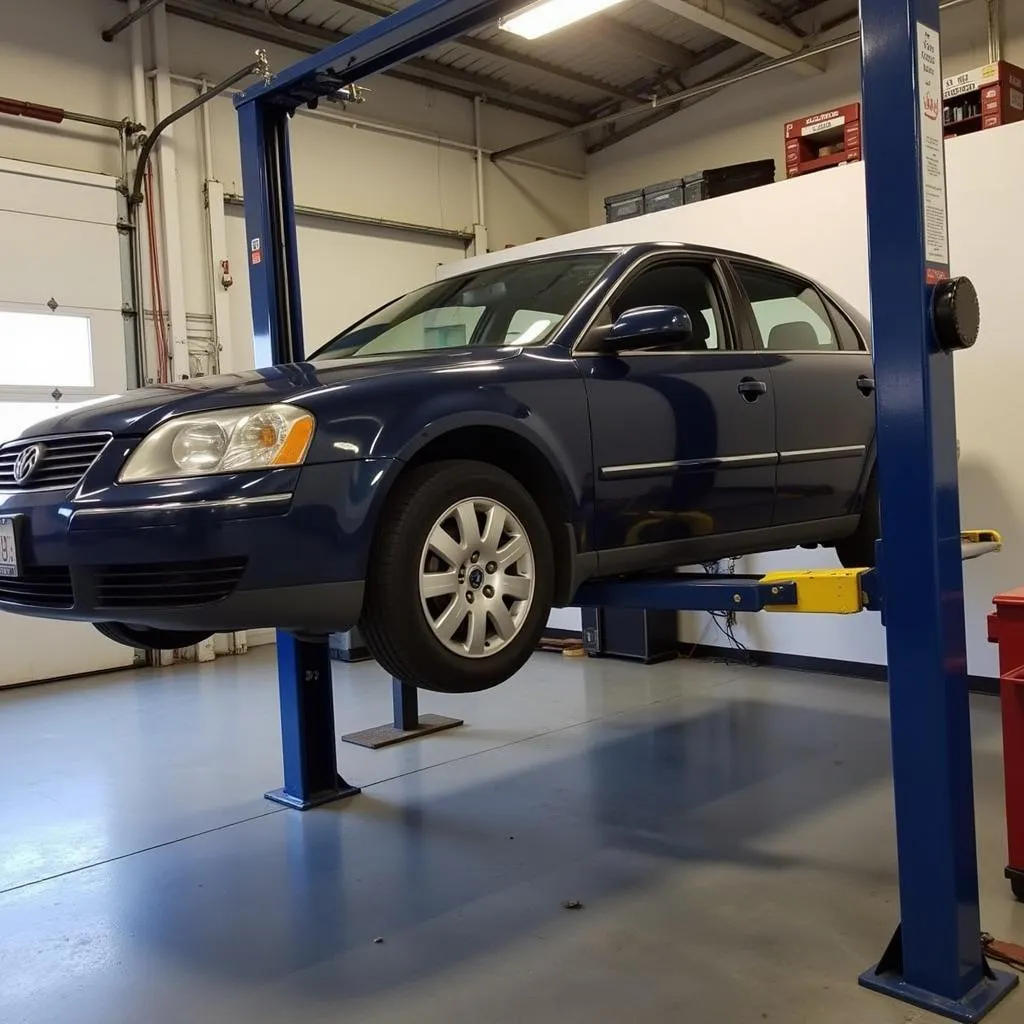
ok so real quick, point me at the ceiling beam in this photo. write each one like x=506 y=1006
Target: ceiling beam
x=623 y=36
x=503 y=53
x=730 y=19
x=305 y=38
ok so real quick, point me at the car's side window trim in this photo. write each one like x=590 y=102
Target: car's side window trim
x=711 y=264
x=796 y=279
x=834 y=310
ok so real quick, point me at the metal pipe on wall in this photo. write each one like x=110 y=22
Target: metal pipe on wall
x=480 y=227
x=135 y=12
x=995 y=32
x=172 y=242
x=693 y=93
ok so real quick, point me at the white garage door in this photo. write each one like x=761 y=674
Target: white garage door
x=62 y=343
x=346 y=272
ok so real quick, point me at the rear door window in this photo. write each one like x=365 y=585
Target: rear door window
x=790 y=314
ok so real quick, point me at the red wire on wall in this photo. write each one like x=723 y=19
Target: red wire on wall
x=159 y=323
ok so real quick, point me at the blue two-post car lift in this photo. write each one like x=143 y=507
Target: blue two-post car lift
x=935 y=959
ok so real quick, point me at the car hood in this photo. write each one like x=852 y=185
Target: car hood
x=137 y=412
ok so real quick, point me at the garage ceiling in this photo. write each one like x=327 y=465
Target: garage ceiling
x=637 y=51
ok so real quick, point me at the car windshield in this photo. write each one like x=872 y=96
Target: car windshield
x=511 y=304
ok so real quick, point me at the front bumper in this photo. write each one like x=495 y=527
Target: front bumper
x=286 y=548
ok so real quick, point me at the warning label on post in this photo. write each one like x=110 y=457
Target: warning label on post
x=933 y=157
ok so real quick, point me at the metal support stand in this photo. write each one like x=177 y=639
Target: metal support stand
x=408 y=723
x=307 y=725
x=936 y=959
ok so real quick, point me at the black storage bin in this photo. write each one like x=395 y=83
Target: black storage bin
x=624 y=205
x=634 y=633
x=348 y=646
x=722 y=181
x=666 y=195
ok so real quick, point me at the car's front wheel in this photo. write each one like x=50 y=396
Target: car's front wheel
x=146 y=639
x=461 y=578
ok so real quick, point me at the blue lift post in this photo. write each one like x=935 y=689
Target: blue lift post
x=935 y=959
x=304 y=666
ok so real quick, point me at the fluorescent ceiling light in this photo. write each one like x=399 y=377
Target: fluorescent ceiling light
x=550 y=15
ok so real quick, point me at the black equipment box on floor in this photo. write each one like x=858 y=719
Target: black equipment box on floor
x=634 y=633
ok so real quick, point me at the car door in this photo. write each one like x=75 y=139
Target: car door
x=823 y=382
x=683 y=437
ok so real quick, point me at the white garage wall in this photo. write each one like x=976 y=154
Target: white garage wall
x=349 y=257
x=60 y=240
x=746 y=121
x=783 y=222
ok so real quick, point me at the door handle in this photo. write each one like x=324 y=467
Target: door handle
x=752 y=389
x=865 y=384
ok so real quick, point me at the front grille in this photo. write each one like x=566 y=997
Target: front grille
x=61 y=462
x=40 y=586
x=168 y=585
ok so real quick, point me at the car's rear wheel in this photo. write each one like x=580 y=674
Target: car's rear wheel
x=460 y=580
x=858 y=550
x=144 y=638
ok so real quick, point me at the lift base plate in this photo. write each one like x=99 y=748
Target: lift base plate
x=387 y=735
x=282 y=796
x=972 y=1007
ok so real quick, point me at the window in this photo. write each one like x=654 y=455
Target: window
x=45 y=350
x=675 y=284
x=790 y=314
x=509 y=304
x=849 y=339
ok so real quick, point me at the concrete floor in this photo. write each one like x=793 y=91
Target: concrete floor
x=728 y=830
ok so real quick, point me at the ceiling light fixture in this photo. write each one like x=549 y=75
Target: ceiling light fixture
x=550 y=15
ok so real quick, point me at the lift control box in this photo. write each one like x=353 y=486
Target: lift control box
x=985 y=97
x=823 y=140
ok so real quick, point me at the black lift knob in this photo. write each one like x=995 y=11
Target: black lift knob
x=956 y=314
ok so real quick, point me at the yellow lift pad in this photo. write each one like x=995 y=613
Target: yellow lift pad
x=839 y=591
x=829 y=591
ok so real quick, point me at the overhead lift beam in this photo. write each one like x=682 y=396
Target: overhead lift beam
x=936 y=958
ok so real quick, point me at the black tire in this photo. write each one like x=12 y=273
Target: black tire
x=394 y=623
x=858 y=550
x=146 y=639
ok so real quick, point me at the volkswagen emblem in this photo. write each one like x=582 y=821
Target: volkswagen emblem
x=26 y=462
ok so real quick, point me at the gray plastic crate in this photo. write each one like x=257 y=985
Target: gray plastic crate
x=665 y=195
x=624 y=205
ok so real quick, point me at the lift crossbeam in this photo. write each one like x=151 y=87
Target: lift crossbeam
x=394 y=39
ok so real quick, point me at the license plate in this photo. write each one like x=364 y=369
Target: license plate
x=8 y=547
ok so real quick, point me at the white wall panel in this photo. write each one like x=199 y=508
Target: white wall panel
x=816 y=224
x=346 y=271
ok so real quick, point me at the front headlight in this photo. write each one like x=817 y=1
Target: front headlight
x=226 y=441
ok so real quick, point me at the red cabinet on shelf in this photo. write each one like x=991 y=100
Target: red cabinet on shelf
x=823 y=140
x=983 y=98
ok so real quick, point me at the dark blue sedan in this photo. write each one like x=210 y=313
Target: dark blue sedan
x=450 y=467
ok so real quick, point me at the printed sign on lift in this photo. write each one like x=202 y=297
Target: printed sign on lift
x=933 y=156
x=256 y=250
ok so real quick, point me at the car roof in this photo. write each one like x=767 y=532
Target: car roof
x=640 y=249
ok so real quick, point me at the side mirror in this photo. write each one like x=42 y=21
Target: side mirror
x=650 y=325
